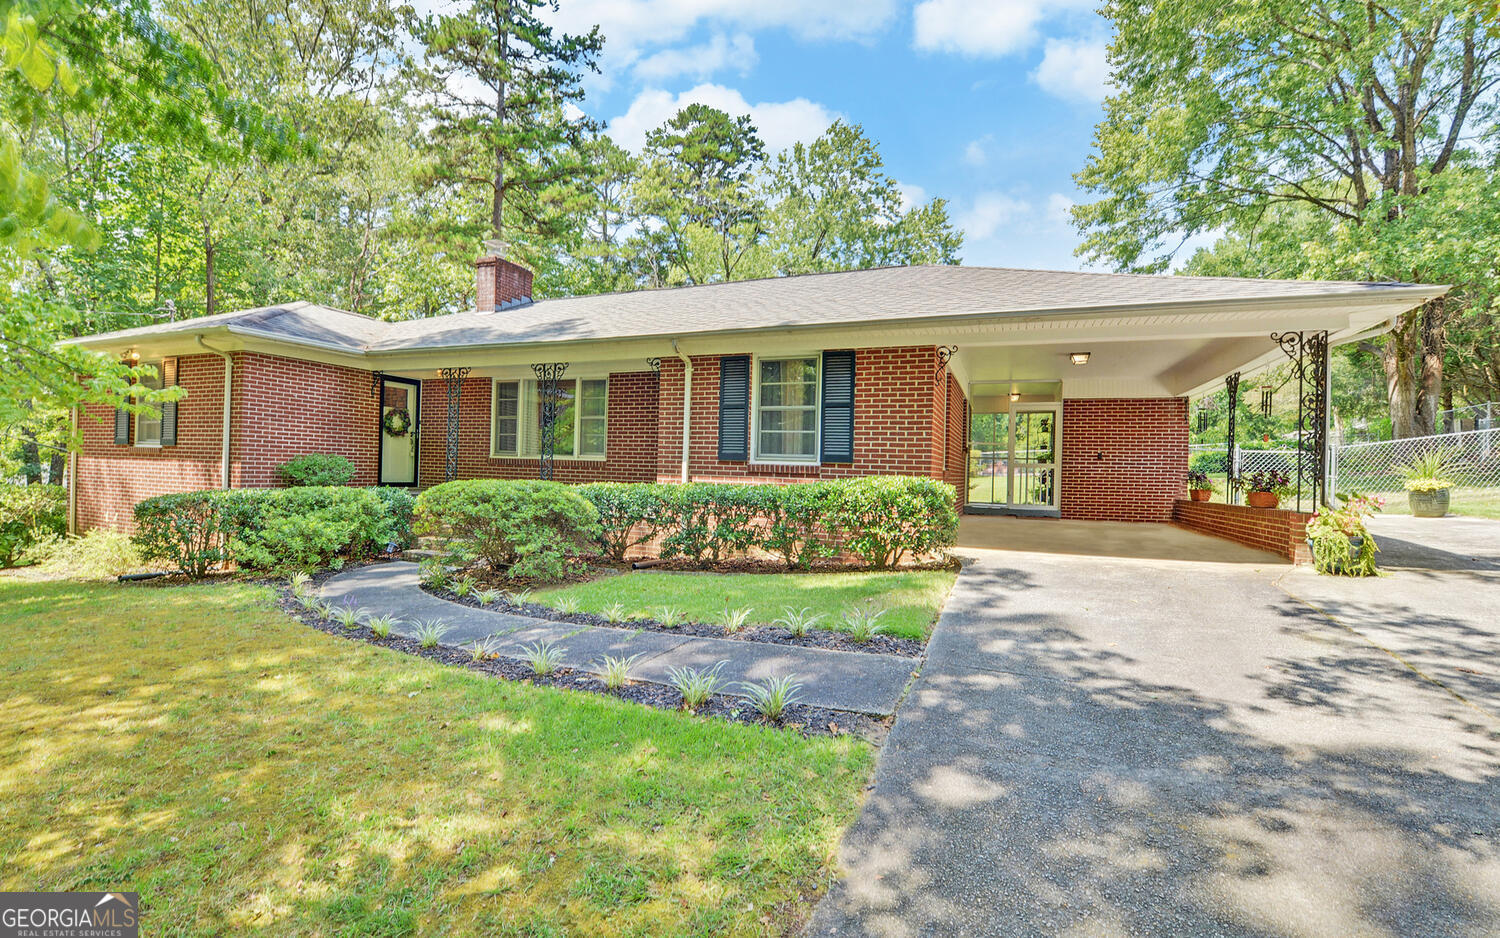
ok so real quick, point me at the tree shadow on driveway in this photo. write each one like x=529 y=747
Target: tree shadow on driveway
x=1041 y=781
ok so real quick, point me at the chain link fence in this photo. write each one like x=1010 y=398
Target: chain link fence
x=1378 y=468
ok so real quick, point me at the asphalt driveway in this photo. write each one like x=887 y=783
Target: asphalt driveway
x=1132 y=745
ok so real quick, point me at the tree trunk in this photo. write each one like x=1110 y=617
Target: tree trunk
x=1430 y=390
x=497 y=207
x=1396 y=357
x=208 y=270
x=31 y=457
x=55 y=468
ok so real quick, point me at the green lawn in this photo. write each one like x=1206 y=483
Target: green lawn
x=248 y=775
x=912 y=599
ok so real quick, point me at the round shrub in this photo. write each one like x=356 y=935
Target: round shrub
x=317 y=469
x=531 y=529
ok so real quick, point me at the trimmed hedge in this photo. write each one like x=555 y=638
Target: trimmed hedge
x=270 y=529
x=527 y=528
x=881 y=519
x=28 y=514
x=316 y=469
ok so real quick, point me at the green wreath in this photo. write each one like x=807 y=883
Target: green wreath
x=397 y=421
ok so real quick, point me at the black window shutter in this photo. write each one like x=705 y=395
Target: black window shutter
x=734 y=407
x=838 y=406
x=122 y=427
x=169 y=409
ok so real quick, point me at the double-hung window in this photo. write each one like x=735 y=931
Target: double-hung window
x=148 y=426
x=578 y=427
x=786 y=409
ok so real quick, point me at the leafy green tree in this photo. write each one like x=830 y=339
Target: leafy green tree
x=1227 y=115
x=503 y=89
x=698 y=195
x=834 y=208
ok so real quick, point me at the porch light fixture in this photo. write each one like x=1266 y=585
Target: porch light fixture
x=134 y=356
x=1079 y=358
x=1015 y=396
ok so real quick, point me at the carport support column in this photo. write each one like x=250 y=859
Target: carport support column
x=454 y=379
x=1231 y=470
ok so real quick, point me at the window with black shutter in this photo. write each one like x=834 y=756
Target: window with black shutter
x=169 y=408
x=838 y=406
x=734 y=408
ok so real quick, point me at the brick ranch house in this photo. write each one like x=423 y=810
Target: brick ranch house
x=1032 y=392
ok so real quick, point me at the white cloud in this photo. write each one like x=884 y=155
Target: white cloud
x=1074 y=69
x=781 y=123
x=989 y=212
x=701 y=61
x=912 y=195
x=974 y=153
x=985 y=27
x=1059 y=209
x=630 y=26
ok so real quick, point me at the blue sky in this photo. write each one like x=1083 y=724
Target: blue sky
x=990 y=105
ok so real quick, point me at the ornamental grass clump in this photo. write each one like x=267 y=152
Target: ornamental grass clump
x=463 y=586
x=544 y=658
x=774 y=696
x=482 y=650
x=614 y=613
x=733 y=620
x=863 y=624
x=1432 y=471
x=696 y=685
x=381 y=626
x=616 y=671
x=567 y=605
x=798 y=621
x=350 y=615
x=429 y=632
x=519 y=597
x=489 y=597
x=669 y=616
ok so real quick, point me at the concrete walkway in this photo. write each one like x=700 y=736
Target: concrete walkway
x=838 y=680
x=1104 y=746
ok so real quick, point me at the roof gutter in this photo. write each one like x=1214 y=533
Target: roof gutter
x=687 y=407
x=228 y=398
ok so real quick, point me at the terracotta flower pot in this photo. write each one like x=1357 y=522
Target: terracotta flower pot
x=1201 y=495
x=1262 y=499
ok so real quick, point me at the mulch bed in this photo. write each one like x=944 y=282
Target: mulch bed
x=815 y=638
x=808 y=721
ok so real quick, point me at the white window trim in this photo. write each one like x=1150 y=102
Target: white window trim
x=816 y=459
x=135 y=420
x=526 y=402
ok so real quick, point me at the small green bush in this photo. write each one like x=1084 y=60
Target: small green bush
x=28 y=514
x=298 y=528
x=396 y=532
x=527 y=528
x=885 y=519
x=316 y=469
x=98 y=554
x=629 y=513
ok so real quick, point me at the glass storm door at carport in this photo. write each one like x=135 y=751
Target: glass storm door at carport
x=399 y=405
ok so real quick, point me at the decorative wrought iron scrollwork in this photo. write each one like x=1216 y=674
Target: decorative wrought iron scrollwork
x=1232 y=391
x=547 y=376
x=376 y=379
x=945 y=354
x=454 y=379
x=1308 y=353
x=654 y=364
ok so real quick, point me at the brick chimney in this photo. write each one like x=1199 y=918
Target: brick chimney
x=499 y=283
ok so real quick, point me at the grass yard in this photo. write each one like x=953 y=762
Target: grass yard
x=248 y=775
x=912 y=599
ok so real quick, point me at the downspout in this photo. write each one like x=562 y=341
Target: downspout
x=228 y=398
x=687 y=407
x=73 y=444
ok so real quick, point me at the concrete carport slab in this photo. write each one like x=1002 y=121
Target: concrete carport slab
x=1112 y=745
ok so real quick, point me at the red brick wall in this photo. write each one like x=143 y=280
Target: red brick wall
x=1280 y=532
x=956 y=455
x=899 y=421
x=1123 y=459
x=111 y=479
x=284 y=407
x=630 y=447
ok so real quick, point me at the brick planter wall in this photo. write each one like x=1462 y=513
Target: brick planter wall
x=1123 y=459
x=1271 y=529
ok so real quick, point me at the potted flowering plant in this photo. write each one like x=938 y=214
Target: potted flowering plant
x=1200 y=489
x=1428 y=483
x=1341 y=544
x=1265 y=489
